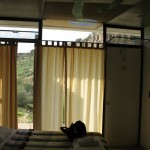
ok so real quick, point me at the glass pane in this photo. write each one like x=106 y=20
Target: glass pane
x=15 y=34
x=64 y=35
x=122 y=33
x=18 y=29
x=128 y=41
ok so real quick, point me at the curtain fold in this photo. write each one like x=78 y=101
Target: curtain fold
x=52 y=88
x=71 y=86
x=8 y=99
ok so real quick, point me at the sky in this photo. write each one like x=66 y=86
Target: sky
x=55 y=35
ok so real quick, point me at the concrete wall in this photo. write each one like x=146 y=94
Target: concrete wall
x=145 y=121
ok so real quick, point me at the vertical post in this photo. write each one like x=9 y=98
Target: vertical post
x=65 y=106
x=141 y=88
x=40 y=29
x=104 y=47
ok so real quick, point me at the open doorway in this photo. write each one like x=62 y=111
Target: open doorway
x=25 y=68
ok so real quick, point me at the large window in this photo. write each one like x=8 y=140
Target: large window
x=25 y=66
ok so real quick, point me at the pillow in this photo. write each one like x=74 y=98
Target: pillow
x=4 y=133
x=89 y=142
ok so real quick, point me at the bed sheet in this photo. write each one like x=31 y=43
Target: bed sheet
x=23 y=139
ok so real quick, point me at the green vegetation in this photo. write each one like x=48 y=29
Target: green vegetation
x=25 y=67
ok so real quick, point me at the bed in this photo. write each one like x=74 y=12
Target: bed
x=24 y=139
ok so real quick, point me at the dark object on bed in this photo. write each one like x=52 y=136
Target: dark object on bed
x=76 y=130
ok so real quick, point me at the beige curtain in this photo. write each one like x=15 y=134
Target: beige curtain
x=8 y=100
x=52 y=88
x=85 y=87
x=71 y=86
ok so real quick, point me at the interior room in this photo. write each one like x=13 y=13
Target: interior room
x=101 y=78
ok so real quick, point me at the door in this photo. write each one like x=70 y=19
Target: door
x=122 y=96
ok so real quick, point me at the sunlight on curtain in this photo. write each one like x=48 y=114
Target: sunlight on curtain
x=52 y=88
x=72 y=78
x=85 y=87
x=8 y=55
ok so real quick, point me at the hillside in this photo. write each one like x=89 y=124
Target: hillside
x=25 y=63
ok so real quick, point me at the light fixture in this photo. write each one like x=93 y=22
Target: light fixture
x=83 y=22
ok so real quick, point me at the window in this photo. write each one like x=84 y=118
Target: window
x=18 y=30
x=25 y=68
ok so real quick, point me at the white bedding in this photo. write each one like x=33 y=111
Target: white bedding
x=93 y=143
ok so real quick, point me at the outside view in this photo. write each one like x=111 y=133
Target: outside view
x=25 y=67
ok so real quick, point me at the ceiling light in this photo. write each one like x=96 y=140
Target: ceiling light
x=83 y=22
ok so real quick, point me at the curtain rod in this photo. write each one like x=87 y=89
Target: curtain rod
x=48 y=43
x=70 y=44
x=8 y=43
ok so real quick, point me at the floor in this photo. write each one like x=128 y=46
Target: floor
x=133 y=148
x=127 y=148
x=25 y=125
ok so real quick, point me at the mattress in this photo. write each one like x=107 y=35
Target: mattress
x=23 y=139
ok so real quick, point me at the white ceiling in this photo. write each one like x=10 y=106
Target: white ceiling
x=58 y=13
